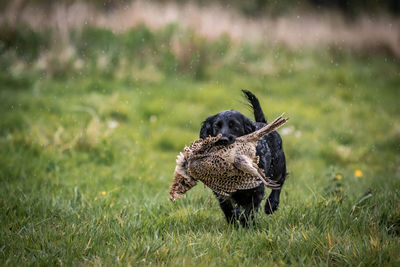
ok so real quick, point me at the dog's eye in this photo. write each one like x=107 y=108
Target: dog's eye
x=231 y=124
x=219 y=125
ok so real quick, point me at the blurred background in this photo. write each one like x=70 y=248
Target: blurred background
x=360 y=25
x=97 y=98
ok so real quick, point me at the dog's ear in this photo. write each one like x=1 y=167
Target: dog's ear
x=206 y=127
x=249 y=126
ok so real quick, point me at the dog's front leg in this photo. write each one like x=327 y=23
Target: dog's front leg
x=227 y=207
x=249 y=200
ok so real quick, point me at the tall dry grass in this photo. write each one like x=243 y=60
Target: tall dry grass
x=380 y=32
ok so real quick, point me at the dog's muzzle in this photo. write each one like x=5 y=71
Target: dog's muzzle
x=226 y=140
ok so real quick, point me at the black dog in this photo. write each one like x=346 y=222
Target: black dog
x=241 y=205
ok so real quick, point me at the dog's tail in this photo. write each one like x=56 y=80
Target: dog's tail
x=255 y=105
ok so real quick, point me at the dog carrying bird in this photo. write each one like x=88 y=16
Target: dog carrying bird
x=224 y=169
x=241 y=205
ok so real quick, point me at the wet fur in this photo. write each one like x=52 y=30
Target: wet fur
x=241 y=205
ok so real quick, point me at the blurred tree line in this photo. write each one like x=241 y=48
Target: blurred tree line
x=247 y=7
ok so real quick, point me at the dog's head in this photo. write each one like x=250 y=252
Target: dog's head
x=230 y=123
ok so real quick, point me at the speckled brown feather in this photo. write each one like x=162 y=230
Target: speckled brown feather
x=224 y=169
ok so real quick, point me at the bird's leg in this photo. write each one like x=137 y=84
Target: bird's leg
x=245 y=164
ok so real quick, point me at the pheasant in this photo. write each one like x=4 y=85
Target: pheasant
x=224 y=169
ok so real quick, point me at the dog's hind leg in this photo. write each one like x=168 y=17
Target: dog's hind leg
x=273 y=199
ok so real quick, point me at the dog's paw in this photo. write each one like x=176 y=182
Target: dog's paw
x=271 y=206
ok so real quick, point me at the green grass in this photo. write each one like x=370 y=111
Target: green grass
x=88 y=143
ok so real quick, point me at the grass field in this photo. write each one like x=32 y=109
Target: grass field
x=89 y=133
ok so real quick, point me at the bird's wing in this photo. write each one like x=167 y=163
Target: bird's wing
x=220 y=175
x=201 y=146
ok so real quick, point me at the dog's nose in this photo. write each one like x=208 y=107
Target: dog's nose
x=226 y=140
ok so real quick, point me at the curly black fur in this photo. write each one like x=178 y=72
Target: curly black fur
x=241 y=205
